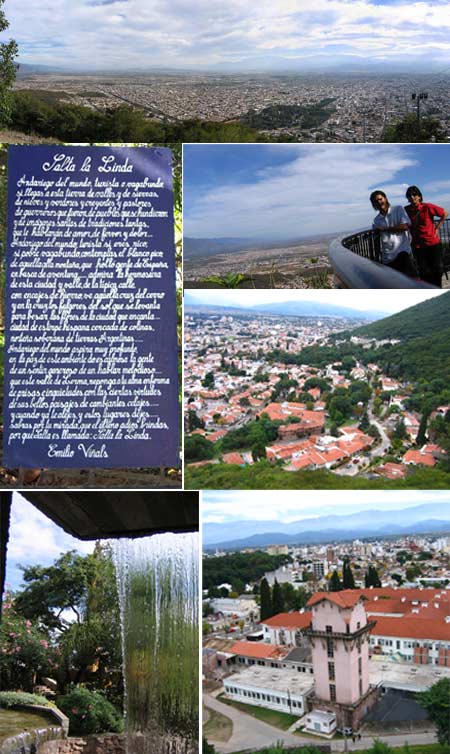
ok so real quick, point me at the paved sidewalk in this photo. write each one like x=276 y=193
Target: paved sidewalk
x=250 y=733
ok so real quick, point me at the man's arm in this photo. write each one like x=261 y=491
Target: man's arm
x=399 y=228
x=443 y=216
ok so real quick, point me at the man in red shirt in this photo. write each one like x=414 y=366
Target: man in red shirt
x=426 y=243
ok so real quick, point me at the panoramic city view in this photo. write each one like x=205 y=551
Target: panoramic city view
x=325 y=620
x=303 y=391
x=338 y=72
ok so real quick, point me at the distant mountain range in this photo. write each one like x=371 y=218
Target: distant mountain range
x=291 y=308
x=330 y=528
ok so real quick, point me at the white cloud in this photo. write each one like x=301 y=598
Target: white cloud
x=286 y=506
x=153 y=33
x=36 y=539
x=325 y=188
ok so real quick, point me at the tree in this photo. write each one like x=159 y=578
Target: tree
x=413 y=572
x=197 y=448
x=364 y=424
x=265 y=600
x=371 y=577
x=436 y=701
x=334 y=584
x=347 y=576
x=277 y=599
x=193 y=421
x=8 y=52
x=26 y=653
x=400 y=432
x=208 y=380
x=422 y=433
x=52 y=590
x=410 y=130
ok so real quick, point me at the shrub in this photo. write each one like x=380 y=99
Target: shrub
x=15 y=698
x=25 y=650
x=89 y=712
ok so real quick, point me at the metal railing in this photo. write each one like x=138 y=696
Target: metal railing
x=362 y=268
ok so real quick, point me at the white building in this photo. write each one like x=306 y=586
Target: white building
x=321 y=722
x=273 y=689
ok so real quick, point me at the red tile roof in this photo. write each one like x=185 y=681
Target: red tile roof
x=344 y=599
x=416 y=457
x=259 y=650
x=412 y=628
x=288 y=620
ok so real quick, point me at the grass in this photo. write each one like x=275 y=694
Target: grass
x=218 y=727
x=412 y=749
x=272 y=717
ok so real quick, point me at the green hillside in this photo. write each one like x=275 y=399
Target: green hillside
x=418 y=359
x=264 y=476
x=427 y=318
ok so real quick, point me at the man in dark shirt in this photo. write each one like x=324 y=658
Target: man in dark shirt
x=426 y=243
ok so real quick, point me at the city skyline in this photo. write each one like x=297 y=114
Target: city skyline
x=291 y=191
x=336 y=34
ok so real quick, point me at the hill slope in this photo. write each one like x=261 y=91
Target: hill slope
x=429 y=317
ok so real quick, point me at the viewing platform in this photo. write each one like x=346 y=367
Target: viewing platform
x=356 y=262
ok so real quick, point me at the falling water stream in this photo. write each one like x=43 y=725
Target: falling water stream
x=157 y=579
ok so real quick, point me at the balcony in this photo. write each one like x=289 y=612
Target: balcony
x=356 y=262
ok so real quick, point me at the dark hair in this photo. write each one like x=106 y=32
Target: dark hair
x=413 y=190
x=373 y=195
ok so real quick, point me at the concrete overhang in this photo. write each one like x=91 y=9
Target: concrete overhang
x=105 y=514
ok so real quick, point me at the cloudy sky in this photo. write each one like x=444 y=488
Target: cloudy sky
x=286 y=506
x=213 y=34
x=389 y=301
x=289 y=191
x=35 y=540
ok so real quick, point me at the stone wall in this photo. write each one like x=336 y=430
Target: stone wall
x=112 y=744
x=115 y=744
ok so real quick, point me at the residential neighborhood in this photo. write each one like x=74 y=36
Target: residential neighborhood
x=345 y=416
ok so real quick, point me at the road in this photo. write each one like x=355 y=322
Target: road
x=381 y=449
x=250 y=733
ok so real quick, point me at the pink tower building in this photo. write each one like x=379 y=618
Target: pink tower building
x=339 y=637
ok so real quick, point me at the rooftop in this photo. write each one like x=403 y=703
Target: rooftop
x=400 y=675
x=282 y=680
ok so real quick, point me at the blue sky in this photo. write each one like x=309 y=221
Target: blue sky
x=35 y=540
x=224 y=507
x=287 y=191
x=239 y=35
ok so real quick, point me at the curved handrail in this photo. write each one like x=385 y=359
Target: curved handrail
x=356 y=262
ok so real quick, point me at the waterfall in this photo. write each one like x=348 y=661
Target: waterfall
x=157 y=579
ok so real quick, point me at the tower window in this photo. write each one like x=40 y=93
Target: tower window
x=330 y=648
x=329 y=629
x=331 y=675
x=360 y=665
x=332 y=692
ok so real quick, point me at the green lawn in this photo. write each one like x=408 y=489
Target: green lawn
x=217 y=727
x=412 y=749
x=278 y=719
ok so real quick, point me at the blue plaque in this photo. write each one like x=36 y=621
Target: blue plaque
x=91 y=340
